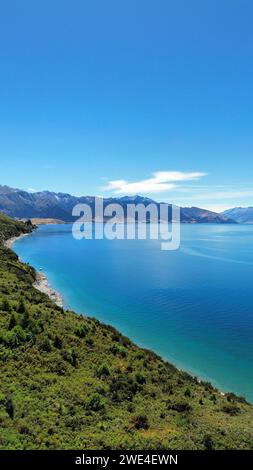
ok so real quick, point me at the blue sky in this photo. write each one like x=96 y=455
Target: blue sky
x=96 y=96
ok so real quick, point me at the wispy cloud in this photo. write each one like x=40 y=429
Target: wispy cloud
x=159 y=182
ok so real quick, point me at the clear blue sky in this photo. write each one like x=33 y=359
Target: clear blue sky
x=93 y=91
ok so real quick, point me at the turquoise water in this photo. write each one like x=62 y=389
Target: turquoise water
x=193 y=306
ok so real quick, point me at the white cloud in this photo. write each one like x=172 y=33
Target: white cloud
x=159 y=182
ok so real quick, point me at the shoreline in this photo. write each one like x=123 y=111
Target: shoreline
x=41 y=283
x=8 y=243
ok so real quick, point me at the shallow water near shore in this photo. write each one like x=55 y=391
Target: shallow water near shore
x=193 y=306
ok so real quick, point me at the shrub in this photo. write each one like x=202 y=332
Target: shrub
x=70 y=356
x=90 y=342
x=21 y=306
x=95 y=402
x=232 y=397
x=131 y=408
x=208 y=442
x=82 y=331
x=180 y=407
x=15 y=337
x=10 y=407
x=118 y=350
x=141 y=422
x=6 y=305
x=2 y=399
x=231 y=409
x=46 y=344
x=25 y=321
x=123 y=388
x=103 y=370
x=213 y=398
x=57 y=342
x=140 y=378
x=12 y=321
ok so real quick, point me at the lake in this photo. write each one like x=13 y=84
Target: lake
x=193 y=306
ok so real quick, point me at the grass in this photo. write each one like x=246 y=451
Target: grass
x=70 y=382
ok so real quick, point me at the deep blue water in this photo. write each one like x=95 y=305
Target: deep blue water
x=193 y=306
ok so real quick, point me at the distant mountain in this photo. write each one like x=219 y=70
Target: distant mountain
x=45 y=204
x=242 y=215
x=196 y=215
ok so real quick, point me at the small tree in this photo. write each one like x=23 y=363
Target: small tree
x=21 y=306
x=57 y=342
x=6 y=305
x=10 y=407
x=187 y=393
x=12 y=322
x=25 y=320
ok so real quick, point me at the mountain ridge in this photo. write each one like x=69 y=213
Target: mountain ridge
x=19 y=203
x=242 y=215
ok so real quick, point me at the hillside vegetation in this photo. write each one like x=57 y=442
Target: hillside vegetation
x=70 y=382
x=12 y=228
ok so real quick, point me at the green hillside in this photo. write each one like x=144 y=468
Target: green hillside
x=69 y=382
x=12 y=228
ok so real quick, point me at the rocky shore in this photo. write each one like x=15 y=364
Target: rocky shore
x=41 y=282
x=42 y=285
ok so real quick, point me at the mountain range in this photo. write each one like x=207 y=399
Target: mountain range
x=242 y=215
x=20 y=204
